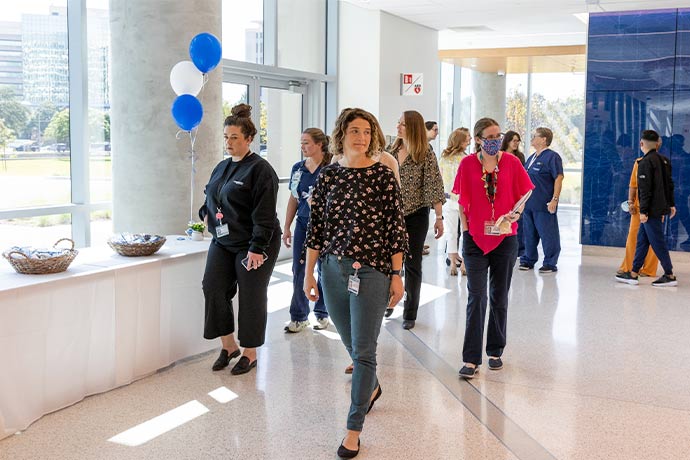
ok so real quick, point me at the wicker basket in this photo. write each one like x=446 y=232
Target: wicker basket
x=137 y=249
x=31 y=266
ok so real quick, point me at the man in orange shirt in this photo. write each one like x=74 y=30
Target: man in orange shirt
x=650 y=262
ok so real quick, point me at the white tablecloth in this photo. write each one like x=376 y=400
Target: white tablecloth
x=104 y=323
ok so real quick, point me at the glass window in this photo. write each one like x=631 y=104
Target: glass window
x=445 y=122
x=243 y=30
x=233 y=94
x=98 y=27
x=558 y=103
x=302 y=35
x=34 y=97
x=280 y=128
x=516 y=107
x=41 y=231
x=465 y=109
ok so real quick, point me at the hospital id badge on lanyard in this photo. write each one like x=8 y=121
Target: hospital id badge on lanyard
x=490 y=228
x=221 y=228
x=353 y=280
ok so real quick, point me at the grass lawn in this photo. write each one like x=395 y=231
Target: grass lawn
x=56 y=167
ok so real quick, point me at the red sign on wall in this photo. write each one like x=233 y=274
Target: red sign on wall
x=411 y=84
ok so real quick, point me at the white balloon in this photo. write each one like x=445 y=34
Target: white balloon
x=185 y=78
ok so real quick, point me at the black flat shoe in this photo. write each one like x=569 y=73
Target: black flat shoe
x=377 y=396
x=408 y=324
x=344 y=452
x=224 y=359
x=243 y=366
x=389 y=312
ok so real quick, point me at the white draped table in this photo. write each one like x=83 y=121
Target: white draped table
x=104 y=323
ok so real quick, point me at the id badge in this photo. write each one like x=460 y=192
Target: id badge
x=490 y=228
x=353 y=284
x=222 y=230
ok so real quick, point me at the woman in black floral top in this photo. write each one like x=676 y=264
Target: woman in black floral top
x=357 y=229
x=422 y=189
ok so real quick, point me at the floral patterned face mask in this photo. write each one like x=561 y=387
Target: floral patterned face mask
x=492 y=146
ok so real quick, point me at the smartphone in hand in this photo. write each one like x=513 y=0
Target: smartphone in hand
x=246 y=260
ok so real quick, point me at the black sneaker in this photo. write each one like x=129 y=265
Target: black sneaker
x=547 y=269
x=525 y=267
x=665 y=281
x=468 y=372
x=627 y=278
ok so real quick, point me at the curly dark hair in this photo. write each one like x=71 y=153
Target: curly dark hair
x=346 y=117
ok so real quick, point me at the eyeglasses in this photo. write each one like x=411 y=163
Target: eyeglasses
x=492 y=138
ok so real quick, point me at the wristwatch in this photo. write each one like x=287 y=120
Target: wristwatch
x=439 y=217
x=396 y=272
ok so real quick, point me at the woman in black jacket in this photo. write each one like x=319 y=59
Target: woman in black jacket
x=241 y=213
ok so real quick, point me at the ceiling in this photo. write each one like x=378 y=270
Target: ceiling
x=471 y=24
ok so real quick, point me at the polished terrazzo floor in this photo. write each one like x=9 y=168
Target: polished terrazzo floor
x=593 y=370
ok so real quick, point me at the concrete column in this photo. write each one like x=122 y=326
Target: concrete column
x=488 y=97
x=151 y=168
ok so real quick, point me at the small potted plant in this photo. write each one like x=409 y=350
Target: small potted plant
x=196 y=230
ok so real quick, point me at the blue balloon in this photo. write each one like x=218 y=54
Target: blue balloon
x=205 y=51
x=187 y=112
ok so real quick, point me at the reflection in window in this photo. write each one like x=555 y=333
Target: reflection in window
x=243 y=30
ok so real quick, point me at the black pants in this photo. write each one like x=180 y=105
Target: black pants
x=223 y=275
x=497 y=266
x=417 y=225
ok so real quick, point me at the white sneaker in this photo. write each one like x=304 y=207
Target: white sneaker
x=296 y=326
x=321 y=323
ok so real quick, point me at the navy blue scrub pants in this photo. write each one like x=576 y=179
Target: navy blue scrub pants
x=299 y=306
x=651 y=233
x=540 y=225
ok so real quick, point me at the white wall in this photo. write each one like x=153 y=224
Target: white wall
x=358 y=58
x=407 y=47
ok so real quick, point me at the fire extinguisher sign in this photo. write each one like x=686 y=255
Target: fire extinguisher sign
x=411 y=84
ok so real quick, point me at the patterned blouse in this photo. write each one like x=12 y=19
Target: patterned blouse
x=421 y=183
x=449 y=169
x=357 y=213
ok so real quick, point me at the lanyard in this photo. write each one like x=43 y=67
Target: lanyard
x=490 y=185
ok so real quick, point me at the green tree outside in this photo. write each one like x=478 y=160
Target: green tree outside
x=12 y=112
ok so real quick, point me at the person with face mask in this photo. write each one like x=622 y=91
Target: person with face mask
x=492 y=188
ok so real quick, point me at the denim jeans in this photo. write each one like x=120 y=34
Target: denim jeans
x=497 y=266
x=651 y=233
x=358 y=321
x=299 y=306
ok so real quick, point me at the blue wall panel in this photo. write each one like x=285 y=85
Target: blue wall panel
x=638 y=78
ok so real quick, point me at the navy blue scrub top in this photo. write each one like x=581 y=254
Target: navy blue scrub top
x=302 y=182
x=543 y=171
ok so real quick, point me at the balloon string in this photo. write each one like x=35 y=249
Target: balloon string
x=192 y=153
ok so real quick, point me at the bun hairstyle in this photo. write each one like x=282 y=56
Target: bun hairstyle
x=318 y=137
x=241 y=116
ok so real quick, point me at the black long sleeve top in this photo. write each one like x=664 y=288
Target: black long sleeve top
x=655 y=185
x=246 y=193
